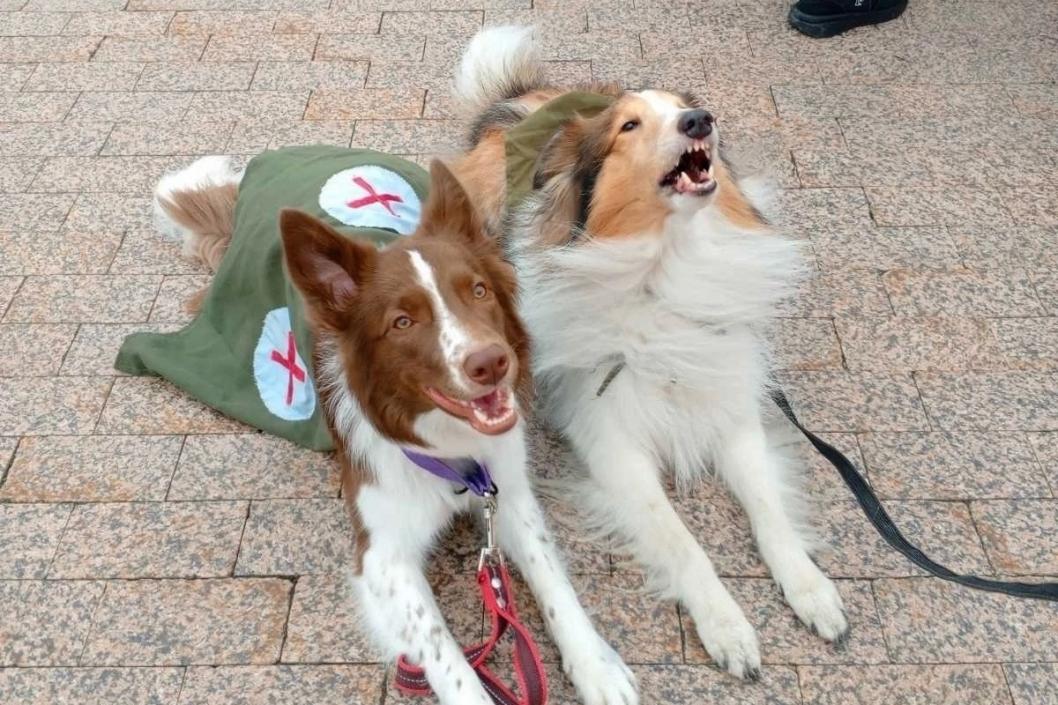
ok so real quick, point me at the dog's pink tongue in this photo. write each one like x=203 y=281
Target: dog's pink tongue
x=491 y=404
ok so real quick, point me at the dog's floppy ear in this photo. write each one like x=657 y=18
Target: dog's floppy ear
x=448 y=211
x=327 y=268
x=565 y=175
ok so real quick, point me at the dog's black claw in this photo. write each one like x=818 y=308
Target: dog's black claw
x=843 y=639
x=753 y=675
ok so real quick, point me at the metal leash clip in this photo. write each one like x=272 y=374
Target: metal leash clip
x=491 y=552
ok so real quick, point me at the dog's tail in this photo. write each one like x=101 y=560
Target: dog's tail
x=196 y=206
x=499 y=64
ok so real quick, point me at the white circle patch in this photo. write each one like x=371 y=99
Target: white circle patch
x=372 y=197
x=279 y=371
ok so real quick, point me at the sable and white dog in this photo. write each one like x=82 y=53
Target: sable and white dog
x=417 y=346
x=648 y=279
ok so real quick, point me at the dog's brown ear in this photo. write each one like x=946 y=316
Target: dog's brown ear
x=448 y=211
x=326 y=267
x=558 y=178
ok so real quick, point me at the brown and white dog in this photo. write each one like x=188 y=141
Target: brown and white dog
x=649 y=278
x=418 y=346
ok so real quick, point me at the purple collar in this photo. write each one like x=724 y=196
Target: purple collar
x=469 y=473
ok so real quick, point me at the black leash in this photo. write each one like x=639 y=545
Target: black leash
x=876 y=513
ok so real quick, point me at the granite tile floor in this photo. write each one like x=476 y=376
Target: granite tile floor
x=153 y=552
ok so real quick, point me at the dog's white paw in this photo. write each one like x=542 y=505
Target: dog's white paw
x=731 y=641
x=600 y=676
x=817 y=603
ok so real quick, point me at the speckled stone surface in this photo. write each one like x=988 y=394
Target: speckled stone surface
x=915 y=685
x=251 y=466
x=73 y=686
x=915 y=160
x=960 y=465
x=91 y=468
x=296 y=536
x=150 y=540
x=151 y=622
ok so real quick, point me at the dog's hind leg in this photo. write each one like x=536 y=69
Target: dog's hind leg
x=632 y=504
x=756 y=475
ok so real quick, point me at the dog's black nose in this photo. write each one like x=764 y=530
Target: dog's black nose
x=696 y=124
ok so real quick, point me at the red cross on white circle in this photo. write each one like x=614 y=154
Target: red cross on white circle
x=373 y=196
x=290 y=362
x=280 y=373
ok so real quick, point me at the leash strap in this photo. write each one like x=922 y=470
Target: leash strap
x=469 y=473
x=495 y=585
x=881 y=520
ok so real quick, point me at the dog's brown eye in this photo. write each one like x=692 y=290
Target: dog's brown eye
x=402 y=322
x=630 y=125
x=480 y=290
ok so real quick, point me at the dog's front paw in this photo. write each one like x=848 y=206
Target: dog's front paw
x=817 y=603
x=731 y=641
x=601 y=677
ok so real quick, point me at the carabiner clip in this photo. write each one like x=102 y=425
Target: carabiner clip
x=491 y=551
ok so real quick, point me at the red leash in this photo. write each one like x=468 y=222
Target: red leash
x=495 y=585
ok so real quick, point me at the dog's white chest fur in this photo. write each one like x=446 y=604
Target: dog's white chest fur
x=684 y=311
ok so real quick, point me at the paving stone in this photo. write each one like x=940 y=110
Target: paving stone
x=81 y=76
x=170 y=306
x=874 y=685
x=73 y=686
x=928 y=621
x=1046 y=284
x=936 y=206
x=8 y=287
x=13 y=76
x=123 y=24
x=57 y=252
x=150 y=540
x=1032 y=683
x=34 y=406
x=841 y=401
x=35 y=107
x=191 y=138
x=896 y=100
x=883 y=248
x=16 y=173
x=296 y=536
x=91 y=468
x=328 y=22
x=857 y=293
x=195 y=76
x=853 y=548
x=177 y=622
x=148 y=252
x=296 y=76
x=33 y=350
x=953 y=465
x=961 y=292
x=277 y=47
x=154 y=49
x=34 y=24
x=991 y=401
x=222 y=22
x=983 y=246
x=235 y=105
x=31 y=533
x=806 y=344
x=95 y=346
x=251 y=466
x=45 y=623
x=364 y=104
x=1019 y=536
x=368 y=47
x=147 y=405
x=784 y=639
x=52 y=139
x=1045 y=446
x=255 y=137
x=47 y=49
x=289 y=685
x=112 y=174
x=1025 y=343
x=1029 y=206
x=33 y=211
x=906 y=343
x=686 y=684
x=408 y=136
x=117 y=211
x=130 y=106
x=88 y=298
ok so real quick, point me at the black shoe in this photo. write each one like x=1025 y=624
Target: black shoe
x=825 y=18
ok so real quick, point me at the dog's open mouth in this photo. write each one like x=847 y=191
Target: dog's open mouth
x=491 y=414
x=693 y=173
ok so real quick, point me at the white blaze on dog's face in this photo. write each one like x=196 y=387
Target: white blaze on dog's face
x=622 y=172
